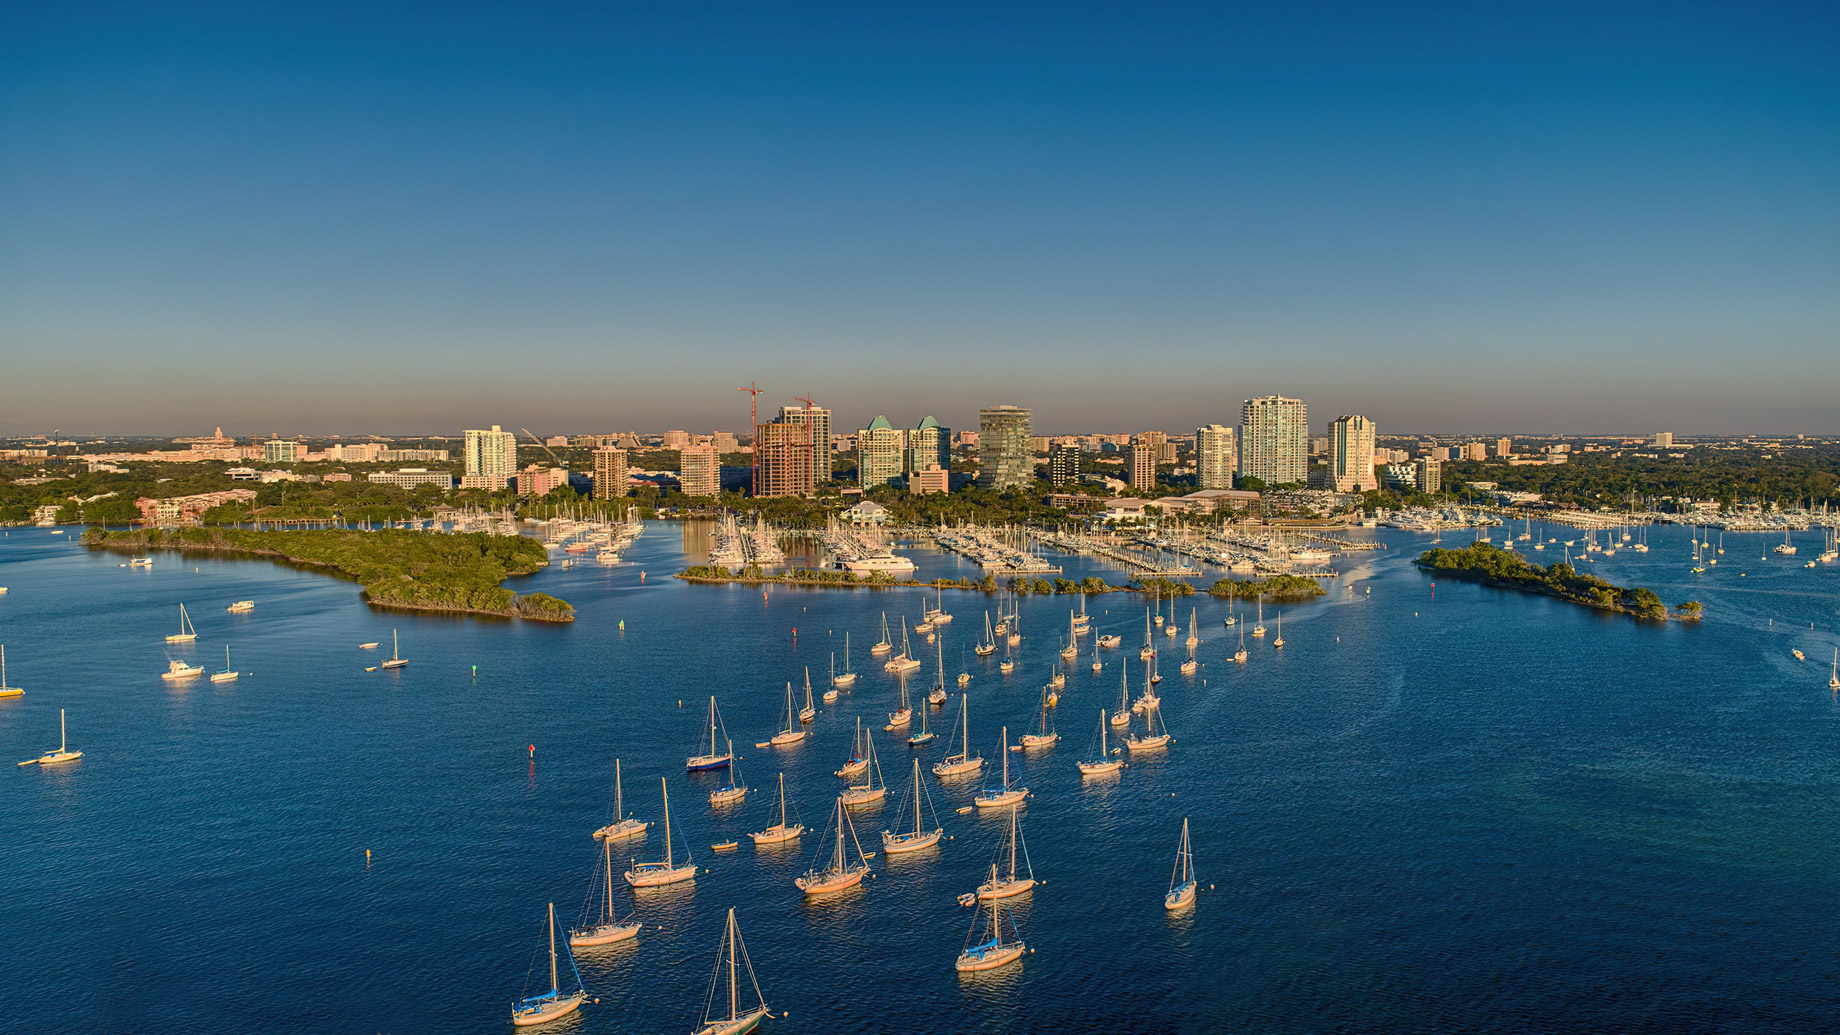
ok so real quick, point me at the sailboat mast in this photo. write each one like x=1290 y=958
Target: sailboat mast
x=63 y=741
x=668 y=861
x=916 y=796
x=782 y=801
x=619 y=806
x=733 y=1006
x=1012 y=844
x=607 y=852
x=554 y=985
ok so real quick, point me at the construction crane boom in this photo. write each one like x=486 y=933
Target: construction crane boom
x=545 y=445
x=753 y=403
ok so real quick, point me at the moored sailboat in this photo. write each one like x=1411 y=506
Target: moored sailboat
x=883 y=645
x=225 y=674
x=1044 y=736
x=731 y=959
x=808 y=713
x=859 y=754
x=733 y=791
x=919 y=837
x=1003 y=795
x=62 y=754
x=711 y=753
x=847 y=677
x=395 y=660
x=621 y=826
x=1101 y=761
x=1020 y=873
x=186 y=633
x=656 y=874
x=6 y=690
x=604 y=928
x=785 y=829
x=791 y=733
x=839 y=872
x=547 y=1006
x=999 y=946
x=1182 y=881
x=961 y=763
x=873 y=788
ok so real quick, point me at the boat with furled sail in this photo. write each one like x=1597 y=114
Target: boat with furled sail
x=919 y=837
x=839 y=872
x=731 y=959
x=547 y=1006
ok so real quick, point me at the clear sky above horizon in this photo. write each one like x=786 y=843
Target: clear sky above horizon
x=393 y=219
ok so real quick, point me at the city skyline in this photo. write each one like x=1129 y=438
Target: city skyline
x=1489 y=221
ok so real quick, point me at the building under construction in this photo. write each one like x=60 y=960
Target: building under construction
x=783 y=459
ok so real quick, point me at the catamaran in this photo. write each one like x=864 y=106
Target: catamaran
x=962 y=762
x=622 y=826
x=547 y=1006
x=873 y=788
x=5 y=690
x=62 y=754
x=1101 y=761
x=988 y=645
x=395 y=660
x=1182 y=881
x=1001 y=945
x=176 y=669
x=1044 y=736
x=859 y=754
x=1020 y=876
x=1003 y=795
x=655 y=874
x=810 y=712
x=839 y=871
x=226 y=674
x=603 y=928
x=714 y=757
x=733 y=1021
x=186 y=633
x=791 y=733
x=735 y=789
x=919 y=837
x=784 y=830
x=884 y=645
x=846 y=678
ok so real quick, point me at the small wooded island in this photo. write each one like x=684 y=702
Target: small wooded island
x=1275 y=588
x=418 y=571
x=1494 y=566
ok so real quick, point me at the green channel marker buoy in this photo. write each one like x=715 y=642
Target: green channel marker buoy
x=475 y=673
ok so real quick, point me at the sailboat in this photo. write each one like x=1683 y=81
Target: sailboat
x=1259 y=629
x=1194 y=634
x=176 y=669
x=938 y=695
x=1002 y=795
x=1159 y=607
x=1101 y=761
x=1156 y=735
x=1833 y=680
x=873 y=788
x=735 y=789
x=622 y=826
x=810 y=711
x=919 y=837
x=5 y=690
x=1240 y=655
x=1020 y=876
x=988 y=645
x=547 y=1006
x=933 y=616
x=1148 y=650
x=1001 y=945
x=839 y=872
x=227 y=674
x=884 y=645
x=1182 y=881
x=903 y=713
x=1045 y=735
x=186 y=633
x=1080 y=620
x=925 y=735
x=831 y=695
x=784 y=830
x=714 y=757
x=1122 y=717
x=962 y=762
x=62 y=754
x=1231 y=619
x=1008 y=664
x=1071 y=649
x=1786 y=548
x=732 y=957
x=791 y=733
x=847 y=678
x=395 y=660
x=603 y=928
x=654 y=874
x=859 y=754
x=1014 y=624
x=1278 y=643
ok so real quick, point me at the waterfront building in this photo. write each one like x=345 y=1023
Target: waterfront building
x=541 y=481
x=1063 y=464
x=410 y=477
x=1351 y=454
x=1274 y=440
x=1215 y=456
x=491 y=455
x=929 y=444
x=932 y=478
x=610 y=474
x=1430 y=475
x=699 y=471
x=820 y=420
x=1004 y=457
x=1400 y=476
x=880 y=454
x=280 y=451
x=782 y=459
x=1140 y=466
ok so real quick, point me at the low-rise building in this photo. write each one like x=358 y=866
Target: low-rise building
x=933 y=478
x=868 y=512
x=411 y=477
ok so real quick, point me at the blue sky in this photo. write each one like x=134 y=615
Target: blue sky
x=375 y=218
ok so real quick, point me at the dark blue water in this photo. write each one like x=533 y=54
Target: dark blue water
x=1467 y=810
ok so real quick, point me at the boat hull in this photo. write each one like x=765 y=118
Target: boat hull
x=854 y=796
x=1005 y=888
x=739 y=1026
x=1036 y=740
x=1001 y=800
x=829 y=883
x=1180 y=897
x=971 y=962
x=658 y=877
x=1148 y=743
x=223 y=677
x=622 y=830
x=784 y=737
x=605 y=934
x=524 y=1017
x=895 y=844
x=962 y=767
x=778 y=835
x=727 y=795
x=1099 y=768
x=704 y=762
x=187 y=674
x=394 y=663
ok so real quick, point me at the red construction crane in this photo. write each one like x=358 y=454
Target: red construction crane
x=753 y=400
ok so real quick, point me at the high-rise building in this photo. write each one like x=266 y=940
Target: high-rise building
x=880 y=454
x=724 y=441
x=1475 y=451
x=1430 y=476
x=280 y=451
x=1063 y=464
x=1504 y=446
x=491 y=453
x=1140 y=465
x=1351 y=454
x=1274 y=440
x=782 y=459
x=820 y=420
x=929 y=445
x=1664 y=440
x=1004 y=457
x=676 y=439
x=609 y=473
x=699 y=471
x=1215 y=456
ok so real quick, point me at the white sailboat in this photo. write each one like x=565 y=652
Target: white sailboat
x=1232 y=619
x=1000 y=946
x=603 y=928
x=62 y=754
x=1278 y=642
x=186 y=633
x=1156 y=735
x=904 y=661
x=655 y=874
x=785 y=829
x=1071 y=649
x=791 y=733
x=884 y=645
x=938 y=695
x=831 y=694
x=1101 y=761
x=547 y=1006
x=1833 y=680
x=1020 y=875
x=839 y=871
x=924 y=735
x=988 y=645
x=1240 y=655
x=5 y=689
x=808 y=713
x=712 y=755
x=1003 y=795
x=733 y=791
x=621 y=826
x=395 y=660
x=1182 y=881
x=732 y=958
x=1194 y=632
x=1044 y=736
x=1148 y=650
x=903 y=713
x=226 y=674
x=1081 y=619
x=846 y=678
x=1122 y=717
x=961 y=763
x=873 y=788
x=919 y=837
x=859 y=754
x=1008 y=664
x=1259 y=629
x=1014 y=625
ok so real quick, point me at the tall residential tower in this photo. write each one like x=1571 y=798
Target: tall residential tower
x=1274 y=440
x=1004 y=456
